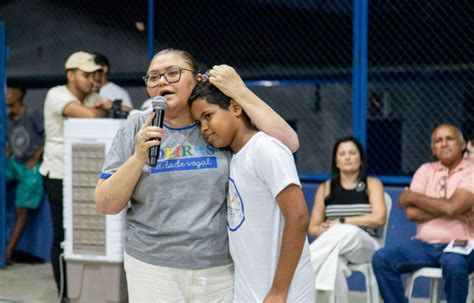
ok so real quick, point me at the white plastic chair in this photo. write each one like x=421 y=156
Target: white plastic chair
x=435 y=275
x=372 y=289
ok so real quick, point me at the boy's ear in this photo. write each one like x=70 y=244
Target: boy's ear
x=235 y=108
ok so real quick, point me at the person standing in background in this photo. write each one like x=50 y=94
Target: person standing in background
x=65 y=101
x=109 y=90
x=25 y=142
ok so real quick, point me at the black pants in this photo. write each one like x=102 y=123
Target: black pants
x=54 y=189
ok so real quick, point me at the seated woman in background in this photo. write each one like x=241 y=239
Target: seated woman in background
x=469 y=152
x=346 y=213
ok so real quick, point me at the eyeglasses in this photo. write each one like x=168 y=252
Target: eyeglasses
x=172 y=75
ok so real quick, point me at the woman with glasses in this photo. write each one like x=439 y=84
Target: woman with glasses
x=346 y=213
x=176 y=236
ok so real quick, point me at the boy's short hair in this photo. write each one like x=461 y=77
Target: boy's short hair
x=211 y=94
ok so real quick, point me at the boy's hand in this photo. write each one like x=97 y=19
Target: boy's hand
x=274 y=296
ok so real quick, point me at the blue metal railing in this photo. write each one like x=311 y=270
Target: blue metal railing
x=359 y=73
x=359 y=89
x=386 y=180
x=3 y=117
x=151 y=29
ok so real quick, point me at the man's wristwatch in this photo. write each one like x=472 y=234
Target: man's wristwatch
x=342 y=220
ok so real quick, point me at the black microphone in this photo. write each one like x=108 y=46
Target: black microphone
x=159 y=105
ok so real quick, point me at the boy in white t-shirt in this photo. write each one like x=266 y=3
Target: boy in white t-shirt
x=267 y=217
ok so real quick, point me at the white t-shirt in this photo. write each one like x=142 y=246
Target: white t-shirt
x=258 y=173
x=92 y=99
x=53 y=157
x=112 y=91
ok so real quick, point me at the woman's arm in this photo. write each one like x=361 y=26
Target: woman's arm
x=112 y=194
x=317 y=224
x=376 y=198
x=226 y=79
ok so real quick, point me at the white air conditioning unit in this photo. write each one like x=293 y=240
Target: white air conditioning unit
x=93 y=246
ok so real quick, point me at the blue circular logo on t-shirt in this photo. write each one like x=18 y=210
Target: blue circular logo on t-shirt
x=235 y=207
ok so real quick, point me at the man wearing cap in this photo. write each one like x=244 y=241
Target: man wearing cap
x=62 y=102
x=25 y=142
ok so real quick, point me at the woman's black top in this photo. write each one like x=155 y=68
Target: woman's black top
x=348 y=203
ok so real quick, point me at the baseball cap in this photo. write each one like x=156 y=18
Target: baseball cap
x=83 y=61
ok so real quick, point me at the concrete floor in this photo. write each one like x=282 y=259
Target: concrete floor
x=28 y=283
x=25 y=283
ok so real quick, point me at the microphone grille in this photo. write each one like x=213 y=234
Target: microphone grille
x=159 y=102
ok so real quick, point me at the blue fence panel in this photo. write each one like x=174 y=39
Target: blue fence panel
x=151 y=29
x=3 y=117
x=421 y=72
x=359 y=80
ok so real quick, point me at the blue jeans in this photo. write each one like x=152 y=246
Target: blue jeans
x=408 y=256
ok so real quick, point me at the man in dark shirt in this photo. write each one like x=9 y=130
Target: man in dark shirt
x=24 y=149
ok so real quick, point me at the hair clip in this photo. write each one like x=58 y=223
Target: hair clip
x=205 y=76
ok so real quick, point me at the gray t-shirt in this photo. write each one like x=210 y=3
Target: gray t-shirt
x=177 y=214
x=26 y=135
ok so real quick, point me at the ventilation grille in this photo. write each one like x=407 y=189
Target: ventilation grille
x=89 y=232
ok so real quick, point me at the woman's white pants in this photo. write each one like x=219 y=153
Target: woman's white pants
x=153 y=284
x=333 y=250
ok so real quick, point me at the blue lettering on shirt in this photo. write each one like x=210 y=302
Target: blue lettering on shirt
x=184 y=164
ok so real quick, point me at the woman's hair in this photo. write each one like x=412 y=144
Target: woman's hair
x=186 y=56
x=336 y=174
x=205 y=90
